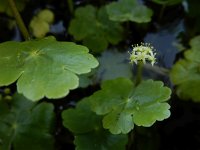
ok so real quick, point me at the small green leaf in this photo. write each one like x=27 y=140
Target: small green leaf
x=87 y=79
x=129 y=10
x=185 y=74
x=40 y=24
x=24 y=123
x=44 y=67
x=46 y=15
x=113 y=65
x=39 y=27
x=124 y=105
x=94 y=28
x=88 y=130
x=194 y=43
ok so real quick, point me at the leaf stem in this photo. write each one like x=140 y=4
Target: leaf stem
x=19 y=20
x=139 y=73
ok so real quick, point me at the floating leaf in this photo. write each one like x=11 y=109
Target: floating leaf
x=114 y=64
x=129 y=10
x=124 y=105
x=195 y=43
x=44 y=67
x=94 y=28
x=87 y=79
x=88 y=130
x=25 y=125
x=185 y=74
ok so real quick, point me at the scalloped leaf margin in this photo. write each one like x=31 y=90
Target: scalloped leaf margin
x=185 y=74
x=124 y=105
x=89 y=134
x=45 y=67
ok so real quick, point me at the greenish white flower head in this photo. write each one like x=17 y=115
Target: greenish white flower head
x=143 y=53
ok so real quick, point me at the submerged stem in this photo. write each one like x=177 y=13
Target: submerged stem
x=19 y=20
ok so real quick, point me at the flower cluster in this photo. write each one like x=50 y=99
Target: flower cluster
x=143 y=52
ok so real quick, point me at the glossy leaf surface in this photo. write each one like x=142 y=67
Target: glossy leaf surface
x=44 y=67
x=129 y=10
x=88 y=130
x=93 y=27
x=23 y=123
x=124 y=105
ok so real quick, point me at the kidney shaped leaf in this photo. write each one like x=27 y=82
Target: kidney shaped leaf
x=88 y=130
x=94 y=28
x=129 y=10
x=25 y=125
x=185 y=74
x=123 y=105
x=44 y=67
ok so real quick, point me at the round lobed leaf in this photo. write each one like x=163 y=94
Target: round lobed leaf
x=94 y=28
x=185 y=74
x=44 y=67
x=129 y=10
x=88 y=130
x=124 y=105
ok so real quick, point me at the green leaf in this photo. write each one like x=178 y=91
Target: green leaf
x=44 y=67
x=5 y=8
x=25 y=125
x=124 y=105
x=40 y=24
x=185 y=74
x=87 y=79
x=194 y=43
x=94 y=28
x=39 y=27
x=114 y=64
x=129 y=10
x=88 y=130
x=46 y=15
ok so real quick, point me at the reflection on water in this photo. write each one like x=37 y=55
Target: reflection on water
x=165 y=41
